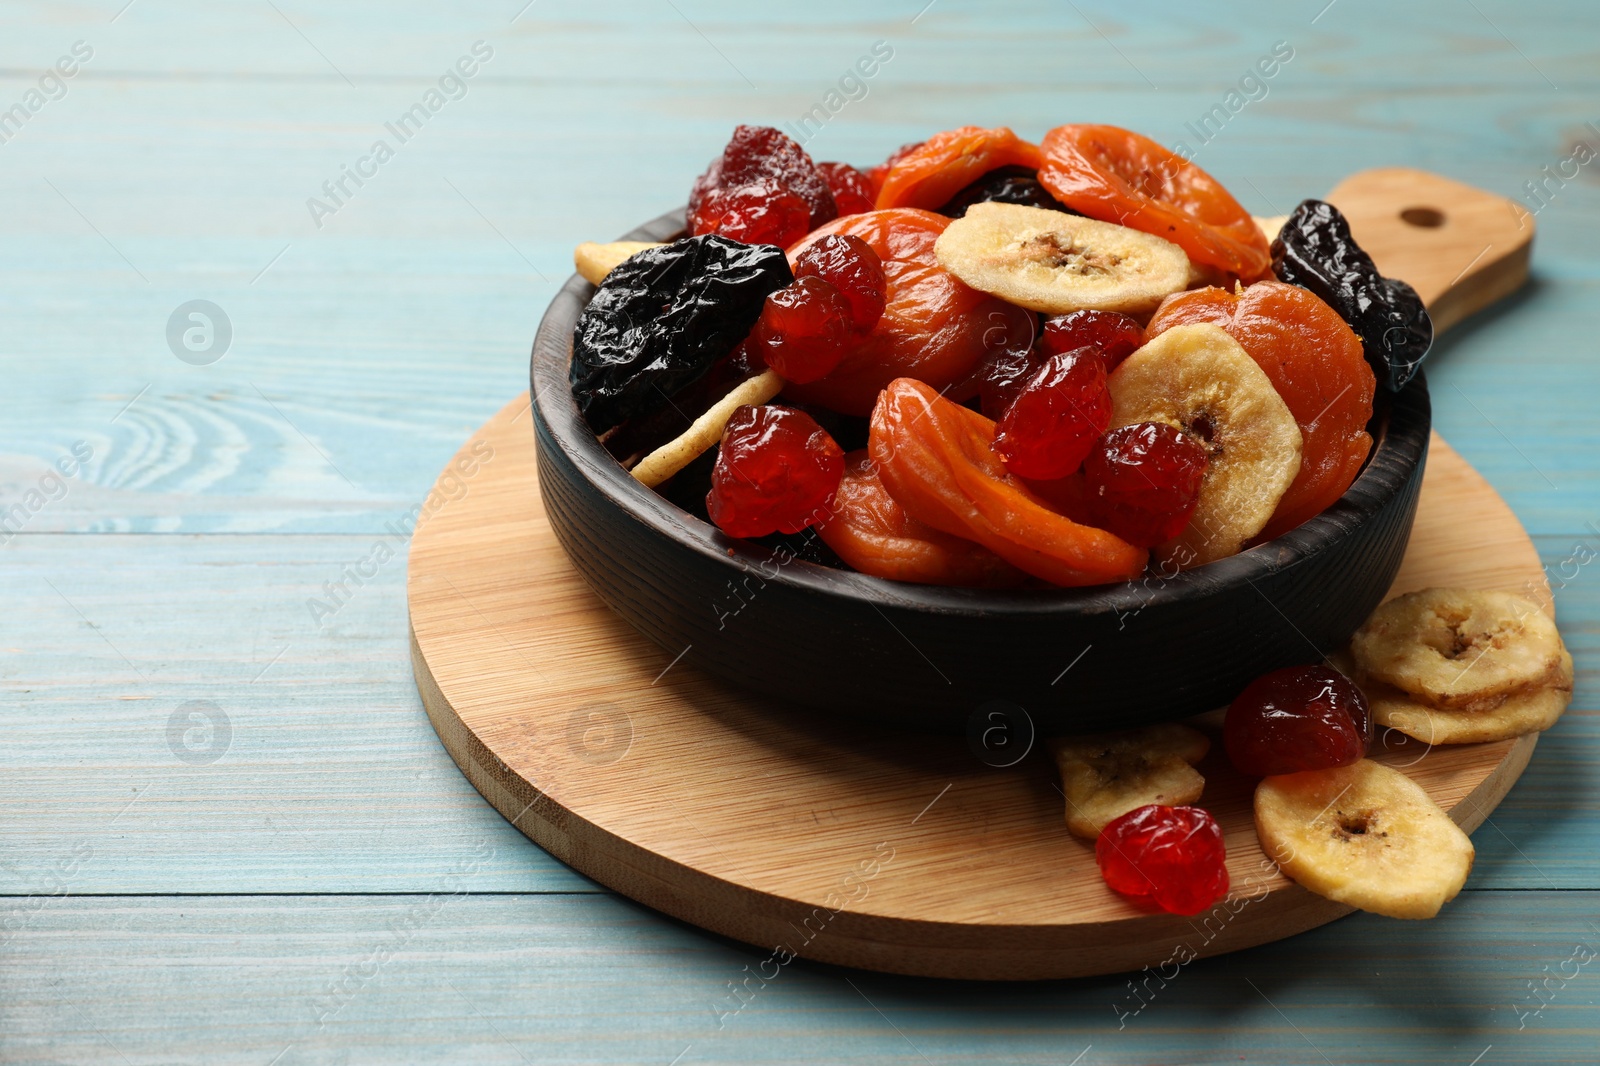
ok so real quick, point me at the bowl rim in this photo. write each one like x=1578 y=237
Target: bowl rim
x=1402 y=442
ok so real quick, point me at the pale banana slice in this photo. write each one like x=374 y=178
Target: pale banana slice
x=1363 y=835
x=1460 y=649
x=595 y=261
x=1106 y=775
x=1198 y=379
x=1055 y=262
x=1516 y=714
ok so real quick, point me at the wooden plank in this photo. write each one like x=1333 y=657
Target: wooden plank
x=326 y=777
x=581 y=979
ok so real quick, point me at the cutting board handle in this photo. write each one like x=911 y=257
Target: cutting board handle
x=1461 y=248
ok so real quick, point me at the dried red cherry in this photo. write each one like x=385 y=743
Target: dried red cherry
x=758 y=153
x=1057 y=416
x=851 y=266
x=762 y=212
x=804 y=330
x=1299 y=718
x=776 y=472
x=852 y=190
x=1116 y=335
x=1171 y=856
x=1142 y=482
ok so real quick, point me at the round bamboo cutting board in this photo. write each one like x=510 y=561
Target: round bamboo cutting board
x=832 y=840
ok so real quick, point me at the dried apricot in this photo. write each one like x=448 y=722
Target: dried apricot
x=937 y=460
x=1317 y=365
x=876 y=536
x=934 y=327
x=1116 y=175
x=933 y=172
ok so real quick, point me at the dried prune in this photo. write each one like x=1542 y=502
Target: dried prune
x=1006 y=185
x=660 y=319
x=1315 y=251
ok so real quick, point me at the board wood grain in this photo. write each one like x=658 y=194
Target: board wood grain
x=843 y=843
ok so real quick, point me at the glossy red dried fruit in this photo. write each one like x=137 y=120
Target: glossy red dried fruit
x=1295 y=719
x=851 y=266
x=1173 y=857
x=776 y=472
x=762 y=212
x=852 y=190
x=1115 y=335
x=803 y=331
x=758 y=153
x=1057 y=416
x=934 y=328
x=1142 y=482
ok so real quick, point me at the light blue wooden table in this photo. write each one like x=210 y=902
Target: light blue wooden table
x=227 y=831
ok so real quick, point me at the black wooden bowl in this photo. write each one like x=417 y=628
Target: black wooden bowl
x=929 y=657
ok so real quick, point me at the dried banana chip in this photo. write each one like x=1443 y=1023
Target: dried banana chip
x=1055 y=262
x=1460 y=649
x=1521 y=712
x=1363 y=835
x=1200 y=380
x=1106 y=775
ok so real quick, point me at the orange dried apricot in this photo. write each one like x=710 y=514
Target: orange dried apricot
x=876 y=536
x=934 y=327
x=1116 y=175
x=930 y=174
x=937 y=460
x=1315 y=362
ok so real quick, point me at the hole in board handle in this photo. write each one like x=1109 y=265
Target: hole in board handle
x=1426 y=217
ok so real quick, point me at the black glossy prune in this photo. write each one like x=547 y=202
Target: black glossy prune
x=663 y=317
x=1315 y=251
x=1006 y=185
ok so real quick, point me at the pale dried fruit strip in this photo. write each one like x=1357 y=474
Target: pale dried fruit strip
x=676 y=454
x=595 y=261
